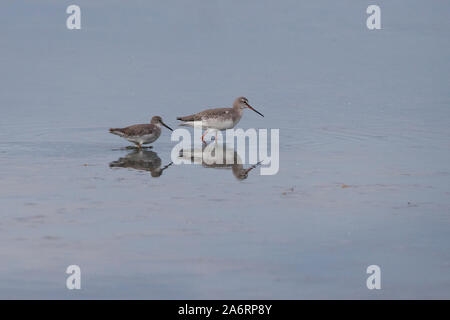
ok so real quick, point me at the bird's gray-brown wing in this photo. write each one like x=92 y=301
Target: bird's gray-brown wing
x=210 y=113
x=135 y=130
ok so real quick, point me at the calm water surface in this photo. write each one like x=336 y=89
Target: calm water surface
x=364 y=150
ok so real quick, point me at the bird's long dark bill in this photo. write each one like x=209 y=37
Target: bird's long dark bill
x=167 y=166
x=253 y=167
x=165 y=125
x=250 y=107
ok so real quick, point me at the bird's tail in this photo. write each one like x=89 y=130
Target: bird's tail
x=186 y=124
x=187 y=121
x=187 y=118
x=116 y=131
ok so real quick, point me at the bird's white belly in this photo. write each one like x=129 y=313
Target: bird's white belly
x=145 y=139
x=220 y=124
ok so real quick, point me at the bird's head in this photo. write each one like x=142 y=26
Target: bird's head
x=158 y=121
x=242 y=102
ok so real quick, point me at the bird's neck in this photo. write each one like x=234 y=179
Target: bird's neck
x=238 y=110
x=237 y=114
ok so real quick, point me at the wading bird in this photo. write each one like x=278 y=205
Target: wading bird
x=141 y=134
x=219 y=118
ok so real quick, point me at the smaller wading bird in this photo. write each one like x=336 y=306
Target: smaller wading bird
x=141 y=134
x=220 y=118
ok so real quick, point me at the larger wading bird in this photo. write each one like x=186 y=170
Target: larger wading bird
x=219 y=118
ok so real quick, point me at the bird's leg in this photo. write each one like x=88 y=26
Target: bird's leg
x=203 y=136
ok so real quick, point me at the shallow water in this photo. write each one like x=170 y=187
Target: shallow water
x=364 y=150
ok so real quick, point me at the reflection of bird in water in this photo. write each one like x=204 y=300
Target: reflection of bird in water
x=141 y=160
x=226 y=158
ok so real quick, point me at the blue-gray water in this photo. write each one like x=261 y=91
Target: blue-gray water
x=364 y=150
